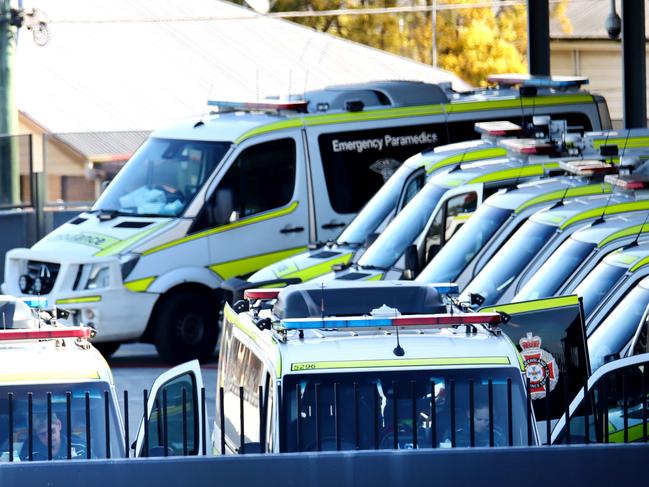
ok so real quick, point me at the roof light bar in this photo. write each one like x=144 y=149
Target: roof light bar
x=537 y=81
x=266 y=105
x=528 y=147
x=587 y=167
x=498 y=129
x=622 y=182
x=419 y=321
x=270 y=293
x=67 y=332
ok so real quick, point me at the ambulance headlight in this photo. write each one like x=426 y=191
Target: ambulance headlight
x=98 y=278
x=128 y=263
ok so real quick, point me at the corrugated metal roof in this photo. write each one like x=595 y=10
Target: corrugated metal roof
x=587 y=18
x=104 y=146
x=113 y=75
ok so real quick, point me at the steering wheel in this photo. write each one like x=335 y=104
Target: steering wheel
x=404 y=438
x=171 y=194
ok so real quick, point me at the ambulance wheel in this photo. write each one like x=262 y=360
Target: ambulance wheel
x=107 y=348
x=186 y=327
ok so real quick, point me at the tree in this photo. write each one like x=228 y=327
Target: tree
x=471 y=42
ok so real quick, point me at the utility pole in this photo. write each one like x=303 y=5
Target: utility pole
x=10 y=21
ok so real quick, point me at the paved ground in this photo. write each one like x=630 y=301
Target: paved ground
x=135 y=367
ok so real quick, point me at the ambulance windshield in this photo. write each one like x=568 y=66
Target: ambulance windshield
x=396 y=409
x=79 y=415
x=495 y=277
x=453 y=258
x=404 y=229
x=557 y=269
x=382 y=204
x=162 y=177
x=618 y=327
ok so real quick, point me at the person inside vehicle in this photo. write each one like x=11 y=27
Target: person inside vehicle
x=59 y=441
x=480 y=429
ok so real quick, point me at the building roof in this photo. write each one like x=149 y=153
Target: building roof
x=104 y=146
x=135 y=65
x=587 y=19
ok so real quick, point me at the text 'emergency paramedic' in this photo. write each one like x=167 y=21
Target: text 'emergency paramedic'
x=385 y=141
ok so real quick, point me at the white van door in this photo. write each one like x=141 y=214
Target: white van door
x=349 y=165
x=256 y=211
x=174 y=425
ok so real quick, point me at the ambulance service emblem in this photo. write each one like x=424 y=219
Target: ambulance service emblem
x=540 y=367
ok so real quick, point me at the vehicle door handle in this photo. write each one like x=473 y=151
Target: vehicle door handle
x=288 y=229
x=333 y=224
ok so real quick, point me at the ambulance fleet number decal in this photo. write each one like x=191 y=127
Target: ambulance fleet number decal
x=303 y=366
x=386 y=141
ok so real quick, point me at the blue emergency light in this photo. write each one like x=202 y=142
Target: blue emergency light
x=556 y=82
x=446 y=288
x=415 y=321
x=37 y=302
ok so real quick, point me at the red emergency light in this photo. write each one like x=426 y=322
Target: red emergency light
x=42 y=334
x=270 y=293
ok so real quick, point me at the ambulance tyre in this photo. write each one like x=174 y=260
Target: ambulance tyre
x=186 y=326
x=107 y=348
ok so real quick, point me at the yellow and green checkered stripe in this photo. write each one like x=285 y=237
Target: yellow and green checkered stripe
x=224 y=228
x=588 y=190
x=417 y=362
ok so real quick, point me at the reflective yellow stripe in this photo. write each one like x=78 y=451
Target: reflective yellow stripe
x=641 y=263
x=536 y=305
x=622 y=142
x=43 y=376
x=117 y=247
x=271 y=127
x=414 y=362
x=86 y=299
x=627 y=232
x=465 y=157
x=462 y=217
x=419 y=111
x=250 y=264
x=635 y=432
x=467 y=106
x=317 y=270
x=587 y=190
x=139 y=285
x=224 y=228
x=519 y=172
x=609 y=210
x=376 y=277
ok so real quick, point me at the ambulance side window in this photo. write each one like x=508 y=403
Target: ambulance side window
x=241 y=390
x=448 y=221
x=260 y=179
x=616 y=406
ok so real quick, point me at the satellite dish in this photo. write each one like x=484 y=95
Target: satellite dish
x=259 y=6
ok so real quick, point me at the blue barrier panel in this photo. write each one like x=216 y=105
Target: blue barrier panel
x=592 y=465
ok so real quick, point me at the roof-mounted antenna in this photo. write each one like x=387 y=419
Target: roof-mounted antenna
x=201 y=122
x=608 y=200
x=637 y=237
x=322 y=306
x=398 y=350
x=526 y=91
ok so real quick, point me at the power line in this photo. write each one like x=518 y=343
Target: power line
x=303 y=14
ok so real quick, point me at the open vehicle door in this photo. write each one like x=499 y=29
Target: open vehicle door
x=175 y=424
x=614 y=410
x=551 y=338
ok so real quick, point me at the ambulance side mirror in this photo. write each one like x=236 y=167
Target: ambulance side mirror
x=222 y=206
